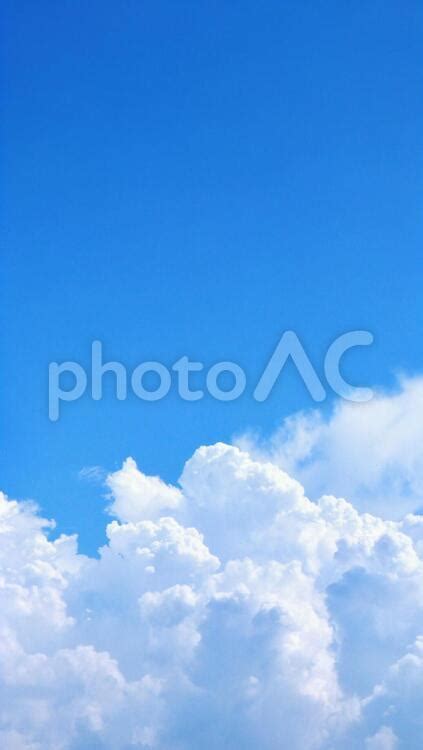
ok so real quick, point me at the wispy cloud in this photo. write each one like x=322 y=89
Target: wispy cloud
x=94 y=474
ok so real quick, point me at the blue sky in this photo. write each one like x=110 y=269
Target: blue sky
x=195 y=178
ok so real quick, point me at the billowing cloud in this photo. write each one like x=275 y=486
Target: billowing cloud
x=230 y=611
x=136 y=496
x=370 y=453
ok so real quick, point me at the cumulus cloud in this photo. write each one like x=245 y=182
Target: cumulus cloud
x=369 y=453
x=135 y=495
x=229 y=611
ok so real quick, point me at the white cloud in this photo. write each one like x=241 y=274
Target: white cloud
x=370 y=453
x=384 y=740
x=230 y=611
x=136 y=496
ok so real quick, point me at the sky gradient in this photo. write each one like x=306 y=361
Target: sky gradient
x=195 y=178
